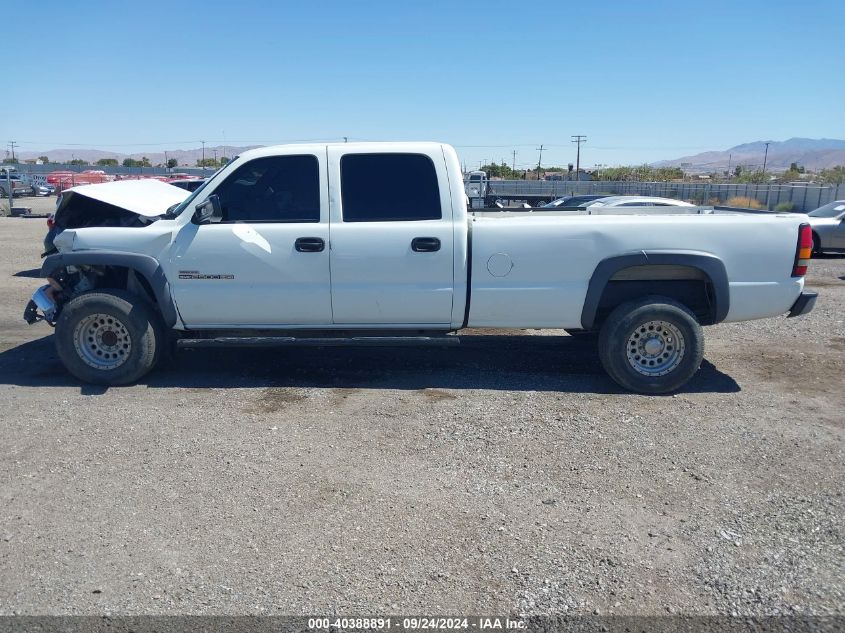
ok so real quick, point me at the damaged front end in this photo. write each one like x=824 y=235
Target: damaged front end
x=93 y=211
x=62 y=285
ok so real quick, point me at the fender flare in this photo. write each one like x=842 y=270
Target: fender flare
x=707 y=263
x=144 y=265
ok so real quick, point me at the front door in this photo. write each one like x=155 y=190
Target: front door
x=391 y=238
x=266 y=264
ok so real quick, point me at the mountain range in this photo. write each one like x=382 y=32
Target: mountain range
x=813 y=154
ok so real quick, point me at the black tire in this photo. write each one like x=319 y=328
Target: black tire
x=637 y=330
x=136 y=330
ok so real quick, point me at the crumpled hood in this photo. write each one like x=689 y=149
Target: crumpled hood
x=148 y=198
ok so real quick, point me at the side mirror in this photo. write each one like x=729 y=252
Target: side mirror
x=209 y=212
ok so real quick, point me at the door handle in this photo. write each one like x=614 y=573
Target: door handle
x=425 y=244
x=309 y=244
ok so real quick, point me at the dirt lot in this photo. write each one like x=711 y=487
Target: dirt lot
x=509 y=475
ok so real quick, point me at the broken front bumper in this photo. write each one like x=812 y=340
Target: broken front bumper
x=42 y=300
x=805 y=302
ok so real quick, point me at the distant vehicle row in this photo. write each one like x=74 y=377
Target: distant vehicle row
x=582 y=202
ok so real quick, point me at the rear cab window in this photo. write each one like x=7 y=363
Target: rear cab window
x=389 y=188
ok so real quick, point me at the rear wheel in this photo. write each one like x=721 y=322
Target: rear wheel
x=817 y=245
x=109 y=337
x=652 y=345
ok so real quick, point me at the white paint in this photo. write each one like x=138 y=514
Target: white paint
x=147 y=197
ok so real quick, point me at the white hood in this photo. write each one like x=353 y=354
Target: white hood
x=149 y=198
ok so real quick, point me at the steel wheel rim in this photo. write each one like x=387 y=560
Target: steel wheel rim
x=655 y=348
x=102 y=341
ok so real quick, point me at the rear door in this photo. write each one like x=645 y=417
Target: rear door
x=391 y=238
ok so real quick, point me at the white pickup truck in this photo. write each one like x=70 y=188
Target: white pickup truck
x=326 y=245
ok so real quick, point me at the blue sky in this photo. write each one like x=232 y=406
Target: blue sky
x=643 y=80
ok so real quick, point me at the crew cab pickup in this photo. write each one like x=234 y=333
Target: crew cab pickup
x=373 y=243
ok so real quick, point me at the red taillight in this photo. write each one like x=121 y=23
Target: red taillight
x=51 y=220
x=804 y=251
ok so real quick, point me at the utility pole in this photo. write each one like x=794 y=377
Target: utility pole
x=578 y=138
x=539 y=160
x=8 y=171
x=215 y=158
x=765 y=156
x=513 y=165
x=730 y=156
x=203 y=154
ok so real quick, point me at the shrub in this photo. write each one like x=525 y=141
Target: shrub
x=784 y=207
x=744 y=202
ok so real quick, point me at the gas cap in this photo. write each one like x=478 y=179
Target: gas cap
x=499 y=264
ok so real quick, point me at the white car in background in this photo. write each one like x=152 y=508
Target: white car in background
x=637 y=201
x=828 y=223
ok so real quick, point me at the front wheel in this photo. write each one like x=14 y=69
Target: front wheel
x=109 y=337
x=651 y=345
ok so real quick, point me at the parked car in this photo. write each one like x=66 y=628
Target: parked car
x=44 y=190
x=637 y=201
x=828 y=223
x=572 y=202
x=285 y=243
x=20 y=188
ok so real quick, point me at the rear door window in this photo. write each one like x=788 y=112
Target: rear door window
x=389 y=188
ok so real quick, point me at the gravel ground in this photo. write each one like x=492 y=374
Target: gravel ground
x=508 y=475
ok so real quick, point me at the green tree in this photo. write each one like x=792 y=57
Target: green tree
x=10 y=161
x=208 y=162
x=756 y=177
x=833 y=176
x=172 y=162
x=107 y=162
x=77 y=161
x=642 y=172
x=791 y=175
x=224 y=160
x=44 y=159
x=131 y=162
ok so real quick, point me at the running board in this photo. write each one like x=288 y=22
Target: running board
x=328 y=341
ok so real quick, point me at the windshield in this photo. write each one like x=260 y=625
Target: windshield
x=176 y=210
x=830 y=210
